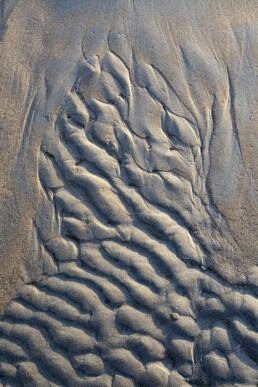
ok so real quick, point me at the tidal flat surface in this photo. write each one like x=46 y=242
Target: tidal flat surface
x=128 y=193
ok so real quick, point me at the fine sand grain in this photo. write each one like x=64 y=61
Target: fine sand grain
x=128 y=193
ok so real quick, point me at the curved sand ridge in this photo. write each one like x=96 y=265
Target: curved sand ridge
x=126 y=233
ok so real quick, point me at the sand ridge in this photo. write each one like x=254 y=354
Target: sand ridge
x=127 y=296
x=139 y=277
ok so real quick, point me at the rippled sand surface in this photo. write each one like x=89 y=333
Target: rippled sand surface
x=128 y=194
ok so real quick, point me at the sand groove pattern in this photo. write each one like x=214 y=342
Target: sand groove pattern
x=6 y=7
x=123 y=233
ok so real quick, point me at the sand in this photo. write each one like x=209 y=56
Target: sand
x=128 y=193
